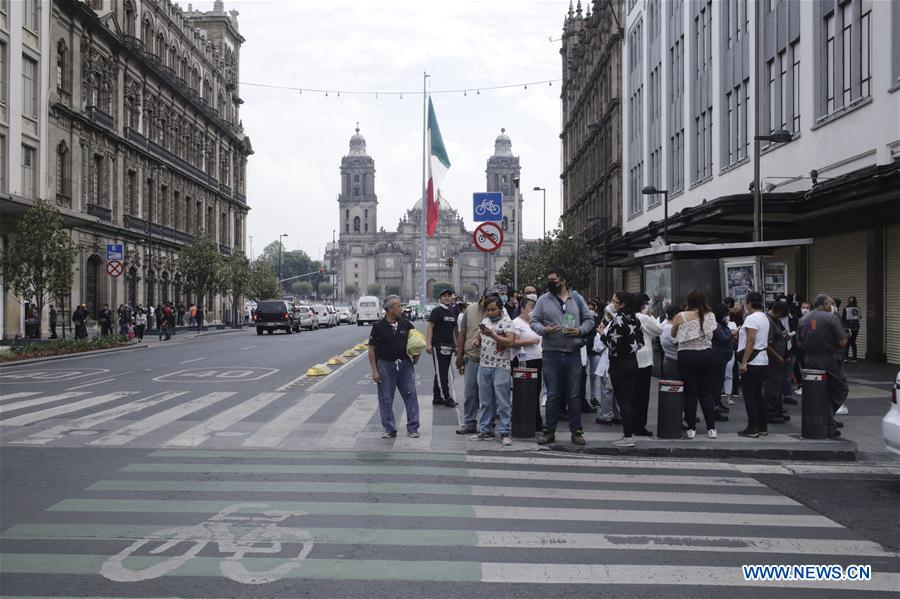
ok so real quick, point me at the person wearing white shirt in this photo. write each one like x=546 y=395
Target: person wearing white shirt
x=651 y=329
x=753 y=339
x=528 y=348
x=669 y=346
x=694 y=328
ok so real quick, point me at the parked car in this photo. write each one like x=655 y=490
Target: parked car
x=346 y=315
x=890 y=424
x=409 y=312
x=323 y=315
x=428 y=309
x=308 y=318
x=276 y=314
x=335 y=319
x=368 y=310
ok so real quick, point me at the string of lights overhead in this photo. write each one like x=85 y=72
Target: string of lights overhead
x=377 y=94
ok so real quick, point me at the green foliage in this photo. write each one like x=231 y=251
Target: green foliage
x=235 y=279
x=351 y=290
x=374 y=289
x=557 y=251
x=263 y=282
x=202 y=266
x=439 y=287
x=392 y=289
x=302 y=289
x=325 y=290
x=293 y=262
x=37 y=265
x=59 y=347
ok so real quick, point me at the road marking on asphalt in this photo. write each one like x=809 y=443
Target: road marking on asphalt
x=344 y=430
x=138 y=429
x=100 y=382
x=194 y=360
x=587 y=477
x=248 y=347
x=217 y=374
x=38 y=401
x=201 y=433
x=15 y=396
x=65 y=409
x=303 y=456
x=326 y=379
x=59 y=431
x=595 y=462
x=47 y=375
x=272 y=433
x=426 y=427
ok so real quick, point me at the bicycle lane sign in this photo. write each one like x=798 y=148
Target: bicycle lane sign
x=487 y=207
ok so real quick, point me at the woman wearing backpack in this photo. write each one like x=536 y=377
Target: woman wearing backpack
x=694 y=328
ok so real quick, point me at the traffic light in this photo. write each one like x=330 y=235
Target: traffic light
x=321 y=270
x=450 y=262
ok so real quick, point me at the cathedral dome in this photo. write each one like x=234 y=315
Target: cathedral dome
x=503 y=145
x=358 y=144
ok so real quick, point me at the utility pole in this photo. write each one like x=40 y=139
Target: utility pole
x=423 y=276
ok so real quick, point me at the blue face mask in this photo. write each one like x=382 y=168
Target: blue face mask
x=504 y=298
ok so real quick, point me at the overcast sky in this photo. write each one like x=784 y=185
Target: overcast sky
x=299 y=139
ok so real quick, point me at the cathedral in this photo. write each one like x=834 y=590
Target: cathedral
x=368 y=254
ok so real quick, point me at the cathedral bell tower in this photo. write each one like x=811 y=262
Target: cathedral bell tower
x=358 y=202
x=503 y=172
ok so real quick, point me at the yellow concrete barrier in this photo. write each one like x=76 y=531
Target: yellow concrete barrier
x=318 y=370
x=361 y=347
x=350 y=353
x=337 y=361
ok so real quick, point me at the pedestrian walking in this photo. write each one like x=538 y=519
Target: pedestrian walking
x=624 y=339
x=123 y=319
x=198 y=317
x=822 y=338
x=468 y=357
x=192 y=315
x=79 y=316
x=140 y=324
x=529 y=350
x=651 y=329
x=753 y=339
x=168 y=318
x=104 y=319
x=54 y=319
x=851 y=316
x=693 y=328
x=392 y=368
x=494 y=376
x=669 y=345
x=609 y=405
x=181 y=312
x=440 y=339
x=562 y=320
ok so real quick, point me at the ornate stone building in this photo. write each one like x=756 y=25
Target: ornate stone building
x=368 y=254
x=144 y=145
x=591 y=135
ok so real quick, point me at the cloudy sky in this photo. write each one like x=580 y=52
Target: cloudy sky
x=385 y=45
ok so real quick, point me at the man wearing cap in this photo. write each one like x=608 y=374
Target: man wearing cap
x=440 y=339
x=468 y=357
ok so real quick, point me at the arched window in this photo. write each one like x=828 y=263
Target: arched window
x=92 y=285
x=366 y=227
x=347 y=226
x=367 y=213
x=356 y=224
x=129 y=18
x=63 y=170
x=62 y=79
x=347 y=214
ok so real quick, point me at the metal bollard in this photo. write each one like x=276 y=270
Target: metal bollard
x=815 y=406
x=670 y=409
x=525 y=401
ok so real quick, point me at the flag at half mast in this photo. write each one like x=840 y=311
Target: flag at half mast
x=438 y=165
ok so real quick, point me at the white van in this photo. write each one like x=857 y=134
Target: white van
x=368 y=310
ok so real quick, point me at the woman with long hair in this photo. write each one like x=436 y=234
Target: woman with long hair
x=624 y=339
x=850 y=317
x=694 y=328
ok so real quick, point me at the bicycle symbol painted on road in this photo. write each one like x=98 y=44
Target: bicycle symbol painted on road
x=264 y=537
x=487 y=206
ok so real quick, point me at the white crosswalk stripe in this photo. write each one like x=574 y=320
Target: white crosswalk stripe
x=201 y=433
x=272 y=433
x=15 y=396
x=84 y=404
x=342 y=434
x=39 y=401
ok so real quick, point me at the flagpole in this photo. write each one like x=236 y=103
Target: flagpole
x=423 y=275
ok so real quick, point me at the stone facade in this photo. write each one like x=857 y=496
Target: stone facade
x=368 y=254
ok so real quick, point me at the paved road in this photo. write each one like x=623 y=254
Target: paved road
x=210 y=467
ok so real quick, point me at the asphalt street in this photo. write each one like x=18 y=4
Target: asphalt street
x=212 y=466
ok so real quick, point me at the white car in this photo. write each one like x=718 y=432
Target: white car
x=890 y=424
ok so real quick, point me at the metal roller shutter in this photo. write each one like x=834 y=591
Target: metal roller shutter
x=837 y=266
x=892 y=294
x=633 y=280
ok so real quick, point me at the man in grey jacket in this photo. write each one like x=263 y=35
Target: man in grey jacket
x=562 y=319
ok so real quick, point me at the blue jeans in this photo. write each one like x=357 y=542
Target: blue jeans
x=494 y=387
x=397 y=376
x=470 y=407
x=562 y=374
x=596 y=383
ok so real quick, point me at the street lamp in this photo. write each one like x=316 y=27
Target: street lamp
x=780 y=136
x=280 y=247
x=518 y=225
x=650 y=190
x=151 y=280
x=545 y=208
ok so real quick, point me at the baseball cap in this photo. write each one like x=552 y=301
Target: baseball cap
x=448 y=291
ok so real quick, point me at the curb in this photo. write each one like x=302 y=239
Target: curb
x=840 y=450
x=86 y=354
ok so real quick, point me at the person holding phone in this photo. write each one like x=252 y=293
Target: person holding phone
x=494 y=374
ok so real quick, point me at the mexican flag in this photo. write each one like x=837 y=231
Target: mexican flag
x=438 y=165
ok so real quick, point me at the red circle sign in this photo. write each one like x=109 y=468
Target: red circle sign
x=488 y=237
x=114 y=268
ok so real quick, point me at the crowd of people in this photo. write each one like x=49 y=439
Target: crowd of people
x=598 y=357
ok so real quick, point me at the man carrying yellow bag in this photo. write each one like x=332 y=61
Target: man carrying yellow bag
x=394 y=347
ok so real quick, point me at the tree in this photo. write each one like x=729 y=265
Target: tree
x=302 y=288
x=263 y=282
x=438 y=287
x=374 y=289
x=325 y=290
x=235 y=279
x=391 y=289
x=351 y=290
x=202 y=266
x=38 y=264
x=293 y=262
x=558 y=250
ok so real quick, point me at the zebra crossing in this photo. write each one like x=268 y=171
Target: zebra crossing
x=318 y=523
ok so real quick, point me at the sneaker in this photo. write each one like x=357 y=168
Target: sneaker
x=578 y=438
x=729 y=400
x=799 y=391
x=484 y=436
x=842 y=411
x=748 y=432
x=712 y=434
x=763 y=432
x=834 y=434
x=450 y=403
x=436 y=401
x=691 y=433
x=388 y=434
x=624 y=442
x=506 y=440
x=465 y=430
x=413 y=434
x=546 y=438
x=595 y=402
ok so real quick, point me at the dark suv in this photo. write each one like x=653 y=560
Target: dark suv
x=276 y=314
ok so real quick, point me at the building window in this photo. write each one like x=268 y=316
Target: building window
x=97 y=181
x=795 y=92
x=29 y=88
x=675 y=163
x=162 y=208
x=636 y=117
x=3 y=186
x=29 y=178
x=63 y=171
x=356 y=224
x=131 y=191
x=846 y=61
x=865 y=56
x=701 y=157
x=30 y=10
x=829 y=63
x=62 y=83
x=3 y=75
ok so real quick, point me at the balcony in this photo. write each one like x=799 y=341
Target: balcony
x=136 y=137
x=225 y=189
x=101 y=212
x=134 y=43
x=154 y=58
x=100 y=117
x=240 y=197
x=167 y=71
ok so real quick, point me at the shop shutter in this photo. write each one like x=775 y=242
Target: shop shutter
x=892 y=294
x=837 y=266
x=633 y=280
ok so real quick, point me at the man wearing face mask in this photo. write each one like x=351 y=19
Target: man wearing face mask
x=823 y=339
x=440 y=339
x=562 y=319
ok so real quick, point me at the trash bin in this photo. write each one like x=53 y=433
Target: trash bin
x=525 y=401
x=815 y=406
x=670 y=409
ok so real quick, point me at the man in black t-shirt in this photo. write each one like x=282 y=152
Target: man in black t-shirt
x=440 y=339
x=392 y=368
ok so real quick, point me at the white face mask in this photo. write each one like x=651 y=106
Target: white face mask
x=804 y=310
